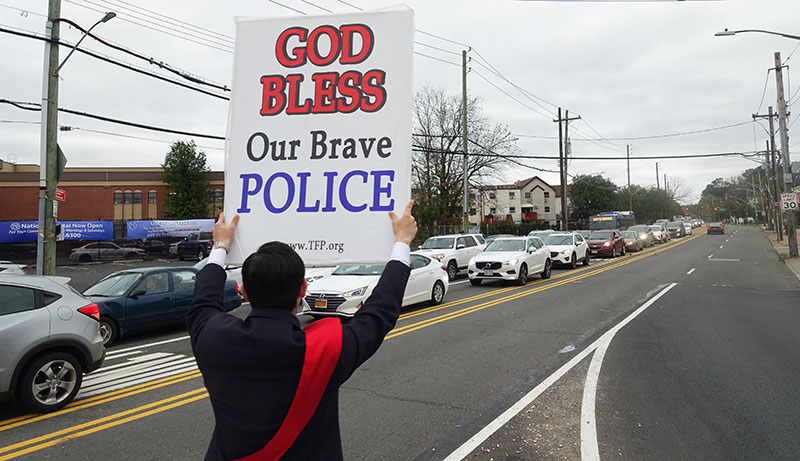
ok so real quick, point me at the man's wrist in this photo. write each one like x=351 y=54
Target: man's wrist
x=223 y=245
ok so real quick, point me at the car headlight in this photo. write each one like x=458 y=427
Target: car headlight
x=642 y=236
x=567 y=251
x=607 y=244
x=472 y=261
x=510 y=262
x=358 y=292
x=314 y=278
x=438 y=257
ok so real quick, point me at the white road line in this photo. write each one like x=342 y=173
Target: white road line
x=690 y=272
x=142 y=346
x=720 y=247
x=459 y=283
x=145 y=358
x=474 y=442
x=124 y=354
x=150 y=373
x=135 y=382
x=710 y=256
x=130 y=371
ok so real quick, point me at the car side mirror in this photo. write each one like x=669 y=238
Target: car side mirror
x=460 y=246
x=137 y=292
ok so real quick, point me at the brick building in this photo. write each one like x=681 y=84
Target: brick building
x=95 y=194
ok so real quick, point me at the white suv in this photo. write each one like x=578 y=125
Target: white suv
x=453 y=251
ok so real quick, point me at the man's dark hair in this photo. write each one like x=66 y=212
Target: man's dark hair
x=272 y=276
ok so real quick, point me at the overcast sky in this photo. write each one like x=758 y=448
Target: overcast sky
x=629 y=69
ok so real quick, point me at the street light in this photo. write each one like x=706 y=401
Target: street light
x=110 y=15
x=788 y=179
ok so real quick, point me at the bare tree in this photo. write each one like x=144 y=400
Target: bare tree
x=679 y=191
x=438 y=160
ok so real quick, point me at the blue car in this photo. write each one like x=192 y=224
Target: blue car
x=148 y=298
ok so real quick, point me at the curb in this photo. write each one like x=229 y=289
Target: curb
x=790 y=262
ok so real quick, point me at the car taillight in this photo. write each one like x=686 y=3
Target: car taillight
x=236 y=287
x=91 y=310
x=444 y=268
x=208 y=245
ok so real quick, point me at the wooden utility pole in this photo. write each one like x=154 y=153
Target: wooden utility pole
x=658 y=182
x=630 y=198
x=464 y=133
x=48 y=168
x=788 y=181
x=563 y=141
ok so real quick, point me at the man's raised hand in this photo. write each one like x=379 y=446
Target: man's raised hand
x=404 y=227
x=223 y=233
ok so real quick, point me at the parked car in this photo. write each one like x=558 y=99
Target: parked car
x=567 y=249
x=232 y=272
x=644 y=233
x=716 y=228
x=129 y=243
x=675 y=229
x=632 y=241
x=512 y=259
x=494 y=237
x=453 y=251
x=155 y=247
x=660 y=233
x=8 y=268
x=195 y=245
x=343 y=292
x=607 y=243
x=49 y=337
x=104 y=251
x=148 y=298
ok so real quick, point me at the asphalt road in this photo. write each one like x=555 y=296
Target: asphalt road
x=685 y=350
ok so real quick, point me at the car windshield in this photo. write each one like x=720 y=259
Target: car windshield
x=557 y=239
x=438 y=243
x=638 y=228
x=600 y=235
x=673 y=225
x=628 y=234
x=655 y=228
x=113 y=285
x=506 y=245
x=360 y=269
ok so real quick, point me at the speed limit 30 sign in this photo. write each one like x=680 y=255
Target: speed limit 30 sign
x=789 y=201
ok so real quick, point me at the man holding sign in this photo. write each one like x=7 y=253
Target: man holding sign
x=273 y=386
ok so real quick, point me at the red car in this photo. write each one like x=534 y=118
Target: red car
x=606 y=243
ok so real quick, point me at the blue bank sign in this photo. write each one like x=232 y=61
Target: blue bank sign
x=26 y=231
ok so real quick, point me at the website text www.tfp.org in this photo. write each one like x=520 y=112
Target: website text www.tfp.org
x=318 y=245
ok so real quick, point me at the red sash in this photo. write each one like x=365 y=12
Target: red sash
x=323 y=347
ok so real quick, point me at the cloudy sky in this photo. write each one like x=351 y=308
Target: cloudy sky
x=629 y=69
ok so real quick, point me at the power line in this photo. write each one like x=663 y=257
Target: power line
x=437 y=59
x=510 y=96
x=550 y=157
x=764 y=93
x=178 y=21
x=23 y=12
x=115 y=62
x=350 y=5
x=120 y=135
x=636 y=138
x=288 y=7
x=317 y=6
x=36 y=107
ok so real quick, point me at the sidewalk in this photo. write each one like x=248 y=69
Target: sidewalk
x=782 y=248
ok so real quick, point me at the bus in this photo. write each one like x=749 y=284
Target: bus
x=619 y=220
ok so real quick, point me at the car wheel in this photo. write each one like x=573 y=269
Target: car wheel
x=475 y=282
x=108 y=330
x=201 y=254
x=548 y=267
x=50 y=382
x=437 y=294
x=452 y=270
x=522 y=280
x=131 y=255
x=573 y=262
x=623 y=250
x=85 y=258
x=586 y=259
x=180 y=255
x=613 y=252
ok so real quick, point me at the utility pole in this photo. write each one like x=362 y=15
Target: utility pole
x=788 y=181
x=630 y=199
x=775 y=190
x=46 y=241
x=563 y=141
x=464 y=132
x=658 y=182
x=666 y=185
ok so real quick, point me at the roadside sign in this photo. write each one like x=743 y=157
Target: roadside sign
x=55 y=208
x=789 y=201
x=61 y=195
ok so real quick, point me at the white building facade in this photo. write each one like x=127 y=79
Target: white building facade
x=527 y=200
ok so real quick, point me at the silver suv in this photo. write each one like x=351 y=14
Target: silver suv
x=49 y=337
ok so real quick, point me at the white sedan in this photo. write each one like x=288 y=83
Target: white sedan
x=511 y=259
x=342 y=293
x=567 y=249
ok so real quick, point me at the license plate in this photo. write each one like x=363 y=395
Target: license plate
x=487 y=272
x=594 y=252
x=321 y=303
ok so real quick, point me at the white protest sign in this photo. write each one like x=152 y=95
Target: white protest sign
x=319 y=133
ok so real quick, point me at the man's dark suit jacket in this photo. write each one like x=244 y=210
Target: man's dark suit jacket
x=251 y=368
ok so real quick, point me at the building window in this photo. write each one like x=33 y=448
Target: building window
x=547 y=209
x=218 y=196
x=117 y=197
x=137 y=197
x=527 y=195
x=492 y=195
x=128 y=197
x=547 y=195
x=151 y=197
x=512 y=195
x=492 y=210
x=512 y=210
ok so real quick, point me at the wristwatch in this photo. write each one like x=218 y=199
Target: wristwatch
x=222 y=245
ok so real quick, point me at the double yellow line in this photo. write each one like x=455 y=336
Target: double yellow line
x=97 y=425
